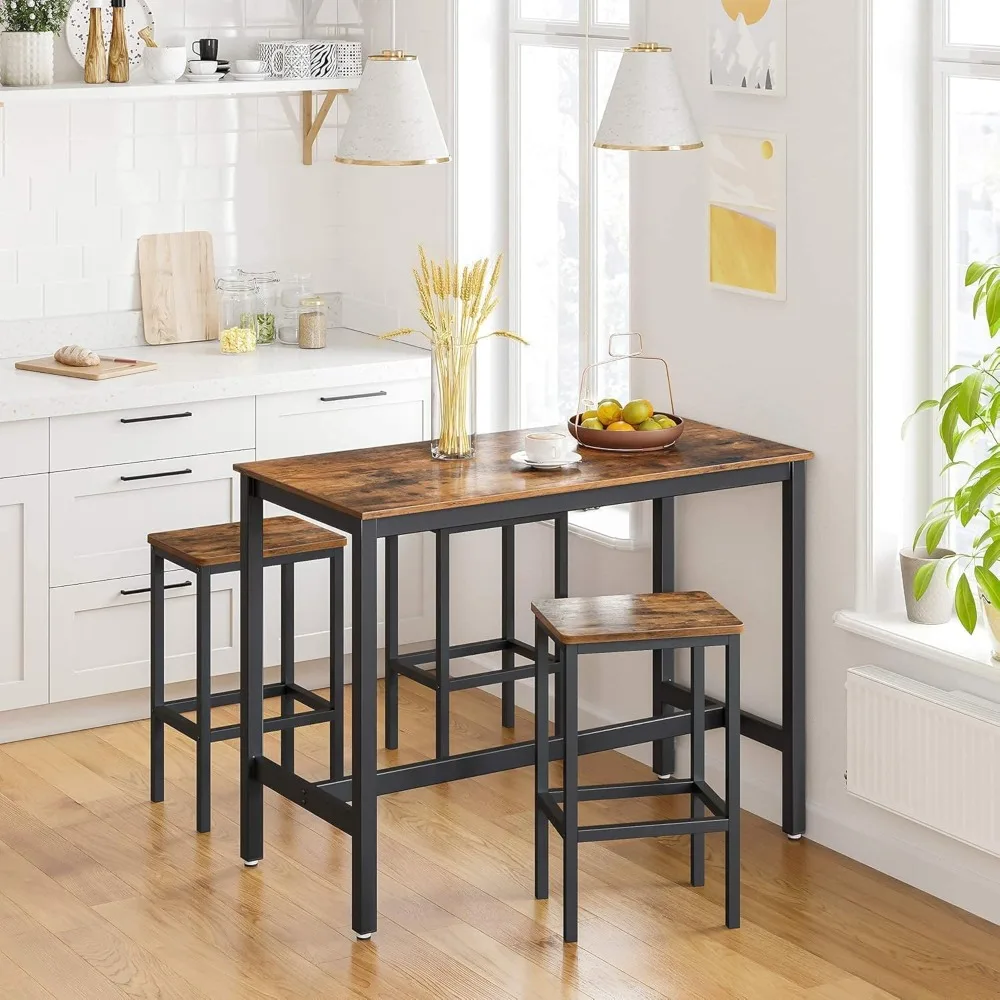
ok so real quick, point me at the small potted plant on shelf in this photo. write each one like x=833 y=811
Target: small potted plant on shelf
x=968 y=416
x=27 y=41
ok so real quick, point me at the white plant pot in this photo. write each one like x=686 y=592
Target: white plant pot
x=992 y=616
x=935 y=607
x=26 y=58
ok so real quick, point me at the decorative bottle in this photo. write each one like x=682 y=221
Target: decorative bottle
x=118 y=50
x=95 y=67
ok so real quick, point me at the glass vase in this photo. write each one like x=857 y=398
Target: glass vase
x=453 y=400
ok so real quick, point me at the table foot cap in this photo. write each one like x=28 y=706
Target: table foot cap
x=794 y=836
x=664 y=777
x=364 y=937
x=250 y=864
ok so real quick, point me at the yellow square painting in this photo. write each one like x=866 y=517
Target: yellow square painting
x=747 y=212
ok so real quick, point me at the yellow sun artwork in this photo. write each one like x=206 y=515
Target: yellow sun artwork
x=752 y=10
x=767 y=149
x=744 y=251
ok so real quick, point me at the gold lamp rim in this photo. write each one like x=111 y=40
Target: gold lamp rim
x=649 y=149
x=649 y=47
x=391 y=163
x=392 y=55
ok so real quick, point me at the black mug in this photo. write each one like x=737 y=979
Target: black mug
x=206 y=48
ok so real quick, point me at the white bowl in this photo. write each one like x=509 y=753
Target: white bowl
x=203 y=67
x=249 y=66
x=165 y=64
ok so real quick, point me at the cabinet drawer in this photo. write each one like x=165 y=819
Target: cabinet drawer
x=94 y=439
x=100 y=517
x=342 y=419
x=99 y=638
x=24 y=448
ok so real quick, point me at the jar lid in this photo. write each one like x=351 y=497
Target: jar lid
x=239 y=284
x=261 y=277
x=312 y=300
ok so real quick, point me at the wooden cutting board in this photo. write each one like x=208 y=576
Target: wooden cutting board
x=177 y=280
x=94 y=373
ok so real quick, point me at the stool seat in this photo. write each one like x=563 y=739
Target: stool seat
x=576 y=621
x=217 y=545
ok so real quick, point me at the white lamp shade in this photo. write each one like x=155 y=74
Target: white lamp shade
x=393 y=121
x=647 y=109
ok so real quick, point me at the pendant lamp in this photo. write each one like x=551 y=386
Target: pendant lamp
x=393 y=122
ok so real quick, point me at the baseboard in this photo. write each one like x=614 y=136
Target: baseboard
x=927 y=870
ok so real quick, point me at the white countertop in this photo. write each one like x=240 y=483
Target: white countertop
x=193 y=372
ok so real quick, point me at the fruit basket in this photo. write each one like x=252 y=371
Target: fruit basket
x=636 y=426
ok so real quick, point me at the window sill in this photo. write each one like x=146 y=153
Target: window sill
x=948 y=644
x=599 y=537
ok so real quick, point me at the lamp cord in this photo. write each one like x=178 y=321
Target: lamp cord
x=392 y=24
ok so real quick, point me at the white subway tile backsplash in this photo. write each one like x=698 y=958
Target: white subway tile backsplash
x=165 y=117
x=274 y=13
x=223 y=148
x=219 y=13
x=24 y=227
x=95 y=153
x=143 y=220
x=229 y=114
x=161 y=152
x=198 y=183
x=111 y=260
x=8 y=267
x=58 y=190
x=101 y=119
x=123 y=293
x=39 y=265
x=79 y=225
x=20 y=301
x=128 y=187
x=214 y=216
x=14 y=194
x=75 y=298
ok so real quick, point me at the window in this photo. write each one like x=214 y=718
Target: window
x=569 y=215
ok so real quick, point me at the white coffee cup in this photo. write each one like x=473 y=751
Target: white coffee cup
x=547 y=446
x=203 y=67
x=248 y=66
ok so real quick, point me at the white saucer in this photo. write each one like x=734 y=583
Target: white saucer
x=204 y=77
x=571 y=459
x=250 y=77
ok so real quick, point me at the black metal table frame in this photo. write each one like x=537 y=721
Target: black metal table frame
x=350 y=804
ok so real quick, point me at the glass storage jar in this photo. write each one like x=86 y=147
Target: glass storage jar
x=238 y=299
x=312 y=322
x=264 y=315
x=293 y=290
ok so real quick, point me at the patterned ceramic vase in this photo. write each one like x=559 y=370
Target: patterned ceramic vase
x=272 y=58
x=296 y=60
x=26 y=58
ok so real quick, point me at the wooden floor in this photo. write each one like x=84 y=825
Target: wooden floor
x=103 y=895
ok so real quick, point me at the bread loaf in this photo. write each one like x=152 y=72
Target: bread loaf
x=78 y=357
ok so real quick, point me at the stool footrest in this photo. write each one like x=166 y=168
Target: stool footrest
x=280 y=722
x=631 y=790
x=220 y=699
x=652 y=828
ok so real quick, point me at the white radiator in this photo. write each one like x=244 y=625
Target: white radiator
x=932 y=756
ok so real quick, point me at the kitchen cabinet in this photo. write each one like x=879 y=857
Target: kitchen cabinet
x=24 y=592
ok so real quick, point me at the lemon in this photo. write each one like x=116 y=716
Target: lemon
x=609 y=411
x=620 y=425
x=592 y=424
x=649 y=425
x=637 y=411
x=588 y=415
x=667 y=422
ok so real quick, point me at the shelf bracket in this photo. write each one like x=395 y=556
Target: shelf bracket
x=312 y=120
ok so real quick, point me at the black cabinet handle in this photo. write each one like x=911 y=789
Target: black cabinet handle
x=156 y=475
x=360 y=395
x=147 y=590
x=165 y=416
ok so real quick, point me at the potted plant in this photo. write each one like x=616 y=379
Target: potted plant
x=968 y=416
x=26 y=43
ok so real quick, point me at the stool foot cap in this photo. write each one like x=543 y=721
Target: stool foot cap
x=250 y=864
x=795 y=836
x=664 y=777
x=364 y=937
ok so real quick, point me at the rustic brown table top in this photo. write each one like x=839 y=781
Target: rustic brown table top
x=397 y=480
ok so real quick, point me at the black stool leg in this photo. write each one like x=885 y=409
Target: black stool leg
x=697 y=759
x=541 y=761
x=561 y=589
x=443 y=638
x=337 y=663
x=156 y=663
x=391 y=641
x=664 y=751
x=570 y=793
x=507 y=613
x=732 y=715
x=203 y=699
x=287 y=661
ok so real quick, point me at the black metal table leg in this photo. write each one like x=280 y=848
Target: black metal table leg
x=364 y=706
x=287 y=661
x=570 y=794
x=443 y=640
x=156 y=680
x=391 y=642
x=203 y=695
x=697 y=759
x=251 y=670
x=664 y=751
x=337 y=663
x=560 y=589
x=733 y=782
x=541 y=761
x=793 y=655
x=507 y=631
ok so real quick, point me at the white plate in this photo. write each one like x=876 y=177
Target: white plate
x=205 y=77
x=137 y=16
x=521 y=457
x=250 y=77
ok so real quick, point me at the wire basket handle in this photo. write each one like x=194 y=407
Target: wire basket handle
x=638 y=354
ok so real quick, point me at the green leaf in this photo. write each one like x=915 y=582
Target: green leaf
x=977 y=493
x=947 y=429
x=975 y=271
x=953 y=465
x=991 y=555
x=993 y=308
x=968 y=397
x=922 y=578
x=935 y=532
x=949 y=394
x=965 y=605
x=927 y=404
x=990 y=585
x=977 y=298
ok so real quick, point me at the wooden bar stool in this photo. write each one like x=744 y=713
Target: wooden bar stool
x=216 y=549
x=626 y=624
